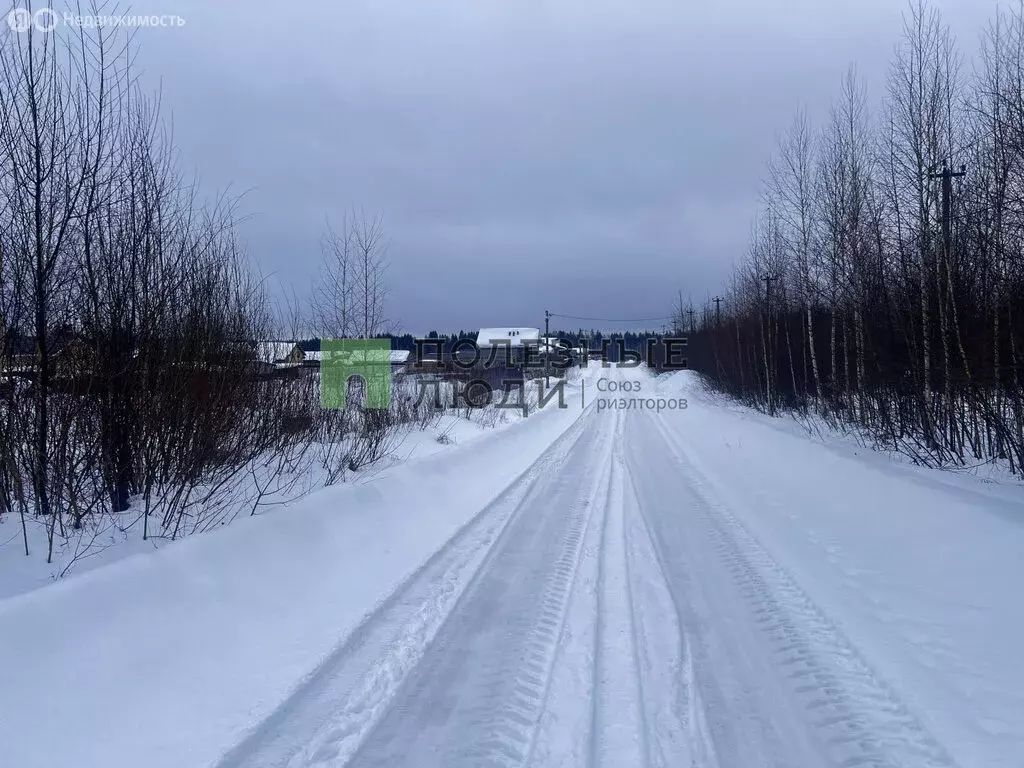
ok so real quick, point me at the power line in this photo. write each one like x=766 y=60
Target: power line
x=986 y=134
x=612 y=320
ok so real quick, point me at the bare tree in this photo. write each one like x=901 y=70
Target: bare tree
x=371 y=266
x=334 y=292
x=792 y=186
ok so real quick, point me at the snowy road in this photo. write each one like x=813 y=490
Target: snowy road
x=611 y=608
x=592 y=587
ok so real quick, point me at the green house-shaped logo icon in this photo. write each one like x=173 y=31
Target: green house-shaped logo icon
x=366 y=359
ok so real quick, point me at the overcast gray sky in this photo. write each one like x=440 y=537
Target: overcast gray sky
x=591 y=157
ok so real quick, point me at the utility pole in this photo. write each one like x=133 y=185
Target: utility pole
x=547 y=349
x=768 y=349
x=690 y=313
x=718 y=310
x=947 y=177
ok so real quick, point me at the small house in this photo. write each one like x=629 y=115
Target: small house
x=514 y=337
x=312 y=354
x=279 y=352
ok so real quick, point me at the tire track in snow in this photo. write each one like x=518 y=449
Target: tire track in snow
x=619 y=731
x=680 y=735
x=515 y=726
x=476 y=697
x=674 y=719
x=603 y=491
x=859 y=718
x=563 y=734
x=329 y=713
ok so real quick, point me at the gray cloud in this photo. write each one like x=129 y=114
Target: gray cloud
x=592 y=158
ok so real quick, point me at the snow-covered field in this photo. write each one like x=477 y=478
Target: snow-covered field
x=586 y=587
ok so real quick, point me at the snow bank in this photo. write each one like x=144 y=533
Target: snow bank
x=107 y=539
x=168 y=658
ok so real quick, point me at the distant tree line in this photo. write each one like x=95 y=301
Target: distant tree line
x=884 y=285
x=592 y=338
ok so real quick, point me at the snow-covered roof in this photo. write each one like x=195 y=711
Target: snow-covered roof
x=272 y=351
x=515 y=336
x=399 y=355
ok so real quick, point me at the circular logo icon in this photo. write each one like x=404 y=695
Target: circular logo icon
x=19 y=19
x=46 y=19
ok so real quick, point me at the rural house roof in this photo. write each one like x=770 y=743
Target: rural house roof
x=515 y=336
x=273 y=351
